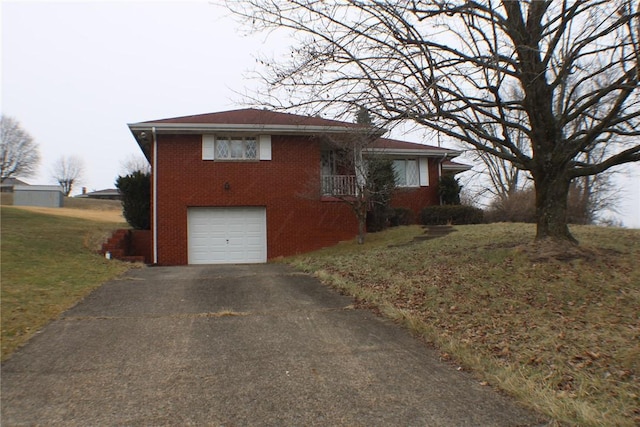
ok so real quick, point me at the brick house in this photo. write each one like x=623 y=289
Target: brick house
x=251 y=185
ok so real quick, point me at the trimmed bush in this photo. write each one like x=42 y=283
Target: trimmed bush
x=136 y=199
x=451 y=214
x=378 y=218
x=449 y=190
x=401 y=216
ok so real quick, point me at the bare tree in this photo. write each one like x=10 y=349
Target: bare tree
x=67 y=171
x=350 y=177
x=18 y=152
x=505 y=178
x=588 y=195
x=591 y=195
x=451 y=66
x=135 y=163
x=502 y=177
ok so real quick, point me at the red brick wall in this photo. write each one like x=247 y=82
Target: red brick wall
x=141 y=245
x=287 y=185
x=418 y=198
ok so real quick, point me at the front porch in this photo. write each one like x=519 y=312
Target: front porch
x=339 y=185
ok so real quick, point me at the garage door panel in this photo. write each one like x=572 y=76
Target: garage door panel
x=226 y=235
x=236 y=245
x=200 y=229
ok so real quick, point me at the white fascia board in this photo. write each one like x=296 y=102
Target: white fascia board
x=430 y=152
x=458 y=167
x=249 y=128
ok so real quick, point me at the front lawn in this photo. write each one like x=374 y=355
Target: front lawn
x=48 y=264
x=562 y=336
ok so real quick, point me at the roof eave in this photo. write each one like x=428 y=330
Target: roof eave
x=198 y=128
x=456 y=168
x=443 y=153
x=139 y=130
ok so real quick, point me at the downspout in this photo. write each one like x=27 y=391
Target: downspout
x=444 y=158
x=155 y=196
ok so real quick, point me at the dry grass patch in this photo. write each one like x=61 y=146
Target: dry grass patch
x=112 y=216
x=84 y=208
x=92 y=204
x=561 y=335
x=48 y=265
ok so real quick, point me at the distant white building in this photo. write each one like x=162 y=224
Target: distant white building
x=48 y=196
x=8 y=184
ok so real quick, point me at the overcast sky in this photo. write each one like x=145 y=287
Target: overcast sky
x=75 y=73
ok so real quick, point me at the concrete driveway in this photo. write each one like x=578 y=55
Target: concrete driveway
x=236 y=346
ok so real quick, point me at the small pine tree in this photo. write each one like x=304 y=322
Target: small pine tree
x=381 y=179
x=449 y=190
x=363 y=117
x=136 y=199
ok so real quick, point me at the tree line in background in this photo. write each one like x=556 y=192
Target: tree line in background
x=20 y=157
x=590 y=199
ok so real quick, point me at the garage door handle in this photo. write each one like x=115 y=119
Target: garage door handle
x=227 y=241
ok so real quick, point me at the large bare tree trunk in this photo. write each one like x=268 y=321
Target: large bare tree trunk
x=552 y=194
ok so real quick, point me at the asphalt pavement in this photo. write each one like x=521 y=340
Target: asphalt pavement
x=239 y=345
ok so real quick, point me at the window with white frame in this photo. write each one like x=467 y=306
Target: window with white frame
x=406 y=172
x=236 y=148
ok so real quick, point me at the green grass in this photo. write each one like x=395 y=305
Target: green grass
x=48 y=264
x=563 y=336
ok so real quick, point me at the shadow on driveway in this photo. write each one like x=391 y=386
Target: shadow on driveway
x=236 y=345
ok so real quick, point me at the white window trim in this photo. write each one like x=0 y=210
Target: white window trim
x=208 y=147
x=417 y=165
x=423 y=171
x=263 y=148
x=231 y=139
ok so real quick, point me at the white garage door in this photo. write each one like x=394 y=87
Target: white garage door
x=227 y=235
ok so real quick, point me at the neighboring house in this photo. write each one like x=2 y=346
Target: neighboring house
x=106 y=194
x=250 y=185
x=9 y=183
